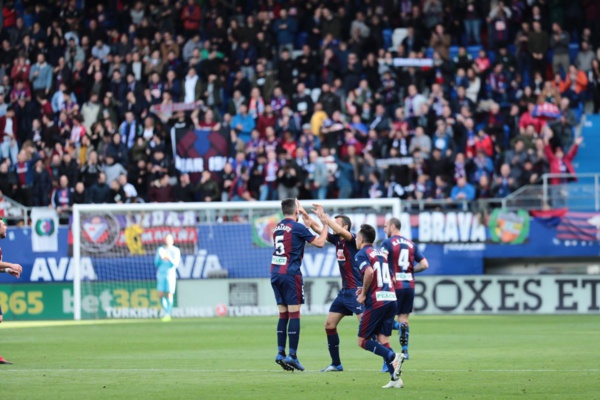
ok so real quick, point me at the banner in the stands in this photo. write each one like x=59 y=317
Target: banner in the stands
x=197 y=150
x=123 y=247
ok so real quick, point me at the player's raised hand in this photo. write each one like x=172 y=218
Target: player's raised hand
x=301 y=209
x=307 y=220
x=317 y=208
x=579 y=140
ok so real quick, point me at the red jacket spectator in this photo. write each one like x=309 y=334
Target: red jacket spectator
x=484 y=142
x=9 y=16
x=560 y=164
x=527 y=119
x=190 y=14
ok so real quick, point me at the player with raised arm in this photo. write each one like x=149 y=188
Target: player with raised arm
x=167 y=260
x=345 y=303
x=9 y=268
x=405 y=260
x=379 y=298
x=289 y=238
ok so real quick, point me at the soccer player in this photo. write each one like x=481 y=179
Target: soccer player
x=402 y=255
x=168 y=258
x=10 y=268
x=345 y=303
x=379 y=298
x=289 y=238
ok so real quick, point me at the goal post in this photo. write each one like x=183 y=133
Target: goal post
x=114 y=246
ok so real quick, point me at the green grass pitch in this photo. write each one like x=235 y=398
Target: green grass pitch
x=452 y=357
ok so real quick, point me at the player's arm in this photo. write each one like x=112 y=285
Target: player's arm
x=320 y=240
x=10 y=268
x=422 y=261
x=176 y=260
x=367 y=279
x=421 y=266
x=157 y=258
x=337 y=229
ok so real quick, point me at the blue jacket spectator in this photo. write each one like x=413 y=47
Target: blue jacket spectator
x=40 y=74
x=462 y=190
x=243 y=123
x=285 y=29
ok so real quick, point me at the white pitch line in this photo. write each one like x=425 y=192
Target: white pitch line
x=138 y=370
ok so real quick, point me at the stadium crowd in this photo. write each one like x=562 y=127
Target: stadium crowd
x=317 y=99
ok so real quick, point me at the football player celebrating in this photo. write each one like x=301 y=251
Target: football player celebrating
x=379 y=298
x=405 y=260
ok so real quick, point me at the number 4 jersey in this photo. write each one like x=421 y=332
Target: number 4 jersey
x=402 y=254
x=289 y=238
x=381 y=291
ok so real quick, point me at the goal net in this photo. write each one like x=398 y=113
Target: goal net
x=225 y=248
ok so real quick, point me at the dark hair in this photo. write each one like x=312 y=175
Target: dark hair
x=396 y=223
x=288 y=206
x=345 y=220
x=368 y=233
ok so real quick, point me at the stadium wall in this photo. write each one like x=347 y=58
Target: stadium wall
x=253 y=297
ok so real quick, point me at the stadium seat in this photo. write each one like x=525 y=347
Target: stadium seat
x=398 y=36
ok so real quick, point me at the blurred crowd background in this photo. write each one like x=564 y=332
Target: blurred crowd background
x=423 y=100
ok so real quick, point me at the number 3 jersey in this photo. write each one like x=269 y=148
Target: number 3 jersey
x=402 y=255
x=289 y=238
x=381 y=291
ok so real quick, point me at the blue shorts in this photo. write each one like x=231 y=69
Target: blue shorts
x=377 y=321
x=346 y=304
x=166 y=283
x=405 y=299
x=288 y=289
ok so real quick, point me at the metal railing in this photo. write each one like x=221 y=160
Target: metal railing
x=585 y=193
x=14 y=211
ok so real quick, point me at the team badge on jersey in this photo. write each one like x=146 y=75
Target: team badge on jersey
x=340 y=255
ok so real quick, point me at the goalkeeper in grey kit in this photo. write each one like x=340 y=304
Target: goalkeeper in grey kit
x=168 y=258
x=9 y=268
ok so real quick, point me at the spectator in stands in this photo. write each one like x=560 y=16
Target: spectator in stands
x=538 y=46
x=562 y=127
x=208 y=189
x=184 y=191
x=504 y=184
x=463 y=190
x=62 y=198
x=561 y=163
x=559 y=43
x=239 y=187
x=42 y=185
x=161 y=190
x=40 y=76
x=99 y=192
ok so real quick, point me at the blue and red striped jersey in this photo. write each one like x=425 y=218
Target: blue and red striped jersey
x=381 y=289
x=289 y=238
x=345 y=252
x=402 y=255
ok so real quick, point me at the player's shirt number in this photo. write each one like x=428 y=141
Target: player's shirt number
x=383 y=274
x=279 y=251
